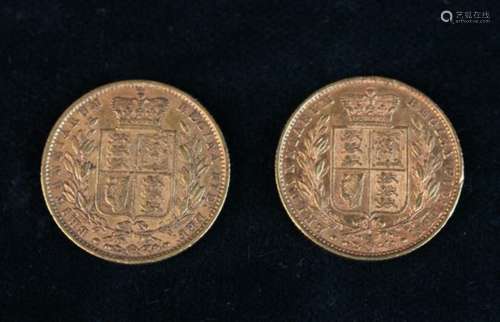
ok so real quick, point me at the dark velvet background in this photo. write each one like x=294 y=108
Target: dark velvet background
x=251 y=64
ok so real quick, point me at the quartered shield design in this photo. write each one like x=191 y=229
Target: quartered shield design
x=369 y=170
x=135 y=172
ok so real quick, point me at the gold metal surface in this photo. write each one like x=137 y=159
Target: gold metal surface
x=135 y=171
x=369 y=168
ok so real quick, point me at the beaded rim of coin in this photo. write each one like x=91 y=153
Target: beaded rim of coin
x=287 y=196
x=219 y=195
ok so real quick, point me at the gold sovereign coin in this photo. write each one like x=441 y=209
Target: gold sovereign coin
x=135 y=171
x=369 y=168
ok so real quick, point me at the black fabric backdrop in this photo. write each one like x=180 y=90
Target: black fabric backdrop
x=251 y=64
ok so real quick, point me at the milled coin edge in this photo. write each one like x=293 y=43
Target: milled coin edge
x=222 y=193
x=436 y=110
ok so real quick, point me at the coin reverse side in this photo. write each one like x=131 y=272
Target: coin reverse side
x=369 y=168
x=135 y=171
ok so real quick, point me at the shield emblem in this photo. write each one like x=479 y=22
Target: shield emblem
x=135 y=172
x=369 y=170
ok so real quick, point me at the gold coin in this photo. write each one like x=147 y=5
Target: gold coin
x=135 y=171
x=369 y=168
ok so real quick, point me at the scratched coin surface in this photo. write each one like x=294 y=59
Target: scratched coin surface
x=135 y=171
x=369 y=168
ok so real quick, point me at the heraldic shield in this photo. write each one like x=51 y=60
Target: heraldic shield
x=370 y=157
x=135 y=171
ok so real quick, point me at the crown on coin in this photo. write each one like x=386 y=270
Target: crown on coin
x=140 y=110
x=370 y=107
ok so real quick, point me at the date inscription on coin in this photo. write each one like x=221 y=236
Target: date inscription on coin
x=135 y=171
x=369 y=168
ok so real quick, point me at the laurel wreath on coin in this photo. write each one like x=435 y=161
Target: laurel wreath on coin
x=192 y=174
x=427 y=161
x=76 y=192
x=190 y=195
x=79 y=168
x=313 y=165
